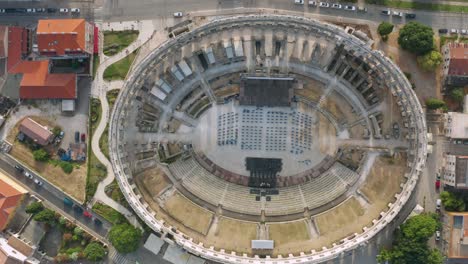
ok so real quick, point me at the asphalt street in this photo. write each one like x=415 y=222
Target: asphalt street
x=54 y=196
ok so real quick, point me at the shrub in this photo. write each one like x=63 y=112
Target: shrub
x=45 y=216
x=34 y=208
x=67 y=167
x=430 y=61
x=67 y=237
x=41 y=155
x=434 y=103
x=457 y=94
x=78 y=231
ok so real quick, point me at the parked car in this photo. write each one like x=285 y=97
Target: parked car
x=78 y=209
x=463 y=31
x=437 y=184
x=30 y=10
x=87 y=214
x=336 y=6
x=2 y=10
x=362 y=9
x=386 y=12
x=443 y=31
x=97 y=221
x=67 y=201
x=28 y=175
x=410 y=15
x=437 y=235
x=312 y=3
x=83 y=137
x=454 y=31
x=75 y=10
x=77 y=136
x=299 y=2
x=178 y=14
x=438 y=176
x=62 y=134
x=350 y=8
x=465 y=142
x=19 y=168
x=397 y=14
x=51 y=10
x=63 y=10
x=38 y=182
x=324 y=4
x=438 y=204
x=40 y=10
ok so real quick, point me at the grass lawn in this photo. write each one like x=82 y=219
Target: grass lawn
x=419 y=5
x=115 y=41
x=119 y=70
x=95 y=64
x=96 y=170
x=103 y=141
x=109 y=213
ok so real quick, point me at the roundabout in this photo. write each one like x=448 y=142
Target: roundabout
x=267 y=128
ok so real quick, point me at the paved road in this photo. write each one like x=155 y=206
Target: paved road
x=51 y=194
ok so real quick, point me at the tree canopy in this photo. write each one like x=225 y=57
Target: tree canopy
x=457 y=94
x=125 y=238
x=430 y=61
x=416 y=38
x=384 y=29
x=45 y=216
x=452 y=202
x=94 y=251
x=34 y=208
x=410 y=246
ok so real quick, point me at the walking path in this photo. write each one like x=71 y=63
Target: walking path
x=99 y=90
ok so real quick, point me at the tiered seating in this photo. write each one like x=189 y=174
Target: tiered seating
x=181 y=168
x=347 y=175
x=238 y=199
x=288 y=201
x=204 y=185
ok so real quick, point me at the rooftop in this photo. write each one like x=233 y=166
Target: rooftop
x=459 y=124
x=10 y=196
x=61 y=35
x=35 y=131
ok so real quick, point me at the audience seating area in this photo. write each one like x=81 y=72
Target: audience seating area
x=237 y=198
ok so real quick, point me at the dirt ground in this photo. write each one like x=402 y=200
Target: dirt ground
x=154 y=180
x=287 y=235
x=428 y=84
x=385 y=172
x=234 y=235
x=73 y=184
x=342 y=220
x=193 y=216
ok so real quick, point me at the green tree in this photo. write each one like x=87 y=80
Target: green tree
x=56 y=130
x=416 y=38
x=125 y=237
x=451 y=202
x=78 y=231
x=34 y=208
x=419 y=228
x=67 y=167
x=41 y=155
x=94 y=251
x=384 y=30
x=435 y=257
x=457 y=94
x=434 y=103
x=430 y=61
x=45 y=216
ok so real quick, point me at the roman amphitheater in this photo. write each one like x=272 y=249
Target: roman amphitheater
x=267 y=139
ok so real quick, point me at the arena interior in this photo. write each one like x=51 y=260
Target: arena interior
x=267 y=139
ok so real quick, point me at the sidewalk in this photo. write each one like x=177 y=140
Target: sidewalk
x=99 y=90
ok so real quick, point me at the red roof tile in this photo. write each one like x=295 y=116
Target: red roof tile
x=17 y=46
x=61 y=34
x=38 y=83
x=9 y=199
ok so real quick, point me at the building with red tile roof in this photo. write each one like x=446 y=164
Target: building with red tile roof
x=456 y=63
x=18 y=43
x=38 y=83
x=10 y=197
x=65 y=37
x=35 y=131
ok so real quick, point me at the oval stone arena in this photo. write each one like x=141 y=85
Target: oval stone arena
x=267 y=139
